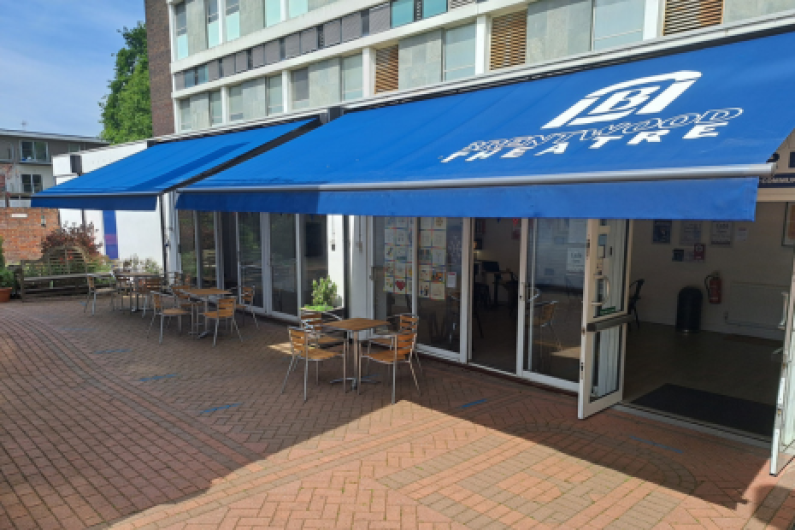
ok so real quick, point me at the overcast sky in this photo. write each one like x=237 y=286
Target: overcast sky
x=56 y=61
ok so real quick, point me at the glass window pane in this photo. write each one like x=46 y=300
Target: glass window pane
x=213 y=24
x=297 y=7
x=275 y=99
x=207 y=242
x=402 y=12
x=27 y=151
x=314 y=264
x=187 y=244
x=393 y=269
x=236 y=103
x=182 y=46
x=36 y=183
x=232 y=22
x=301 y=88
x=6 y=151
x=273 y=12
x=201 y=74
x=189 y=77
x=614 y=18
x=26 y=184
x=553 y=302
x=216 y=110
x=250 y=244
x=40 y=151
x=606 y=363
x=433 y=7
x=459 y=52
x=184 y=115
x=284 y=296
x=439 y=262
x=352 y=77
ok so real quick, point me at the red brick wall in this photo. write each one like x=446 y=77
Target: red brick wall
x=159 y=44
x=22 y=235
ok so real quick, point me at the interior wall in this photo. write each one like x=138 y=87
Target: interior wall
x=761 y=259
x=499 y=246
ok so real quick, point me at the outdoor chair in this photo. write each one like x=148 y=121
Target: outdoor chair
x=401 y=351
x=403 y=323
x=633 y=300
x=185 y=302
x=159 y=309
x=146 y=287
x=543 y=316
x=313 y=322
x=124 y=287
x=94 y=291
x=224 y=310
x=304 y=346
x=245 y=301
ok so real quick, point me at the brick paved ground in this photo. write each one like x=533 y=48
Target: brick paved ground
x=100 y=427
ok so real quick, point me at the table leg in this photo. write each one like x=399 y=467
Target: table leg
x=206 y=308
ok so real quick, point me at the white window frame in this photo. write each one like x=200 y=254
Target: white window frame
x=474 y=55
x=31 y=182
x=33 y=150
x=10 y=151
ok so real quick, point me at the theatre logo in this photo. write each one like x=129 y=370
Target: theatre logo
x=638 y=100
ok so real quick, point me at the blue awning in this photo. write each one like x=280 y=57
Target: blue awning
x=679 y=136
x=135 y=182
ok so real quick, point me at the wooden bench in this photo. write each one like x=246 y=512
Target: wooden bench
x=61 y=270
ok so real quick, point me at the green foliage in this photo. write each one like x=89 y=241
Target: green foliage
x=73 y=235
x=6 y=278
x=324 y=293
x=127 y=110
x=2 y=255
x=142 y=265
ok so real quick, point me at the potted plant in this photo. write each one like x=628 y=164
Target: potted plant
x=324 y=295
x=6 y=284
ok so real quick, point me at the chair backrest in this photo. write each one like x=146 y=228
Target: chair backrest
x=225 y=307
x=403 y=344
x=634 y=297
x=157 y=300
x=545 y=312
x=247 y=295
x=299 y=340
x=408 y=322
x=311 y=320
x=91 y=282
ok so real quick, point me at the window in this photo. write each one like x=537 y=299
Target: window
x=213 y=28
x=216 y=110
x=31 y=183
x=202 y=74
x=73 y=148
x=402 y=12
x=301 y=88
x=190 y=78
x=298 y=7
x=432 y=8
x=617 y=22
x=236 y=103
x=184 y=115
x=34 y=151
x=273 y=12
x=459 y=52
x=352 y=79
x=6 y=151
x=232 y=19
x=275 y=95
x=182 y=30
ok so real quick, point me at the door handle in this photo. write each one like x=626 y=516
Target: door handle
x=607 y=290
x=783 y=324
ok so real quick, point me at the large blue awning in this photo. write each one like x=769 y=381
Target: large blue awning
x=678 y=136
x=135 y=182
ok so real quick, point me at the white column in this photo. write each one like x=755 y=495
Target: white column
x=177 y=118
x=652 y=19
x=222 y=22
x=481 y=44
x=225 y=105
x=172 y=22
x=368 y=72
x=287 y=91
x=285 y=9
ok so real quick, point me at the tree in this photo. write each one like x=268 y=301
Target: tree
x=127 y=110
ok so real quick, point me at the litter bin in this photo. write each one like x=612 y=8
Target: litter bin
x=688 y=310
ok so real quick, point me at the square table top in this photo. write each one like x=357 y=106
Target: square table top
x=206 y=292
x=355 y=324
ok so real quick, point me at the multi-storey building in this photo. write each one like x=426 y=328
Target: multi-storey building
x=532 y=179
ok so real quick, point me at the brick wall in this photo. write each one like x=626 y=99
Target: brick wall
x=159 y=43
x=22 y=235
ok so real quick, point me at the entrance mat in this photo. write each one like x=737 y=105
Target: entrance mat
x=736 y=413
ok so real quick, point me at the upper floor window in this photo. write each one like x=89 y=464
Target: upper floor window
x=33 y=151
x=213 y=24
x=275 y=95
x=402 y=12
x=181 y=17
x=617 y=22
x=216 y=109
x=301 y=88
x=298 y=7
x=31 y=183
x=273 y=12
x=352 y=77
x=6 y=151
x=232 y=19
x=432 y=8
x=459 y=52
x=236 y=103
x=73 y=148
x=184 y=115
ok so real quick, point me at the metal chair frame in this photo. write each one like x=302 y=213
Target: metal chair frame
x=224 y=310
x=402 y=350
x=304 y=345
x=158 y=309
x=94 y=290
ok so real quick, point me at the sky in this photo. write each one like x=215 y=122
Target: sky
x=56 y=59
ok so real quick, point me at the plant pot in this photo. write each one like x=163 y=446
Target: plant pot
x=5 y=294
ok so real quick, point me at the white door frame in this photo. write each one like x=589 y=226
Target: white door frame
x=779 y=458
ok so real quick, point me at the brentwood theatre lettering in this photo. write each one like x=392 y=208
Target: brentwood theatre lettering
x=639 y=98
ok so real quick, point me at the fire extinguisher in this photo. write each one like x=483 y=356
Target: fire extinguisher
x=714 y=286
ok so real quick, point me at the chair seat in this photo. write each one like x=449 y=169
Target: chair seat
x=385 y=342
x=330 y=341
x=320 y=354
x=386 y=357
x=174 y=311
x=105 y=290
x=214 y=314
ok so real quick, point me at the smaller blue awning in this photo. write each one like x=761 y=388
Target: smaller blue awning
x=134 y=183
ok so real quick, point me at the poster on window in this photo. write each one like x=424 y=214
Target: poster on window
x=425 y=273
x=437 y=291
x=691 y=233
x=437 y=276
x=401 y=222
x=389 y=252
x=661 y=231
x=426 y=238
x=389 y=284
x=452 y=280
x=425 y=289
x=721 y=234
x=439 y=256
x=426 y=223
x=578 y=231
x=400 y=269
x=575 y=261
x=402 y=253
x=439 y=239
x=440 y=223
x=390 y=222
x=401 y=237
x=389 y=268
x=425 y=255
x=389 y=237
x=400 y=286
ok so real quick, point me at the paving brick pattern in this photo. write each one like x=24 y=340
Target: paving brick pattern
x=100 y=427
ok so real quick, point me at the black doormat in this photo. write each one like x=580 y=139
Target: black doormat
x=736 y=413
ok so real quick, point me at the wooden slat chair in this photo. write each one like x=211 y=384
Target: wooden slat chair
x=146 y=287
x=303 y=345
x=313 y=321
x=405 y=322
x=245 y=301
x=124 y=286
x=94 y=291
x=185 y=302
x=224 y=310
x=159 y=309
x=402 y=350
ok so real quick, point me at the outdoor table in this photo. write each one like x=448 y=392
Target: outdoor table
x=354 y=326
x=135 y=277
x=204 y=295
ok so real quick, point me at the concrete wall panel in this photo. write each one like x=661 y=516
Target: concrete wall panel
x=324 y=83
x=735 y=10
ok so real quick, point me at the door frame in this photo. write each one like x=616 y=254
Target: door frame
x=781 y=455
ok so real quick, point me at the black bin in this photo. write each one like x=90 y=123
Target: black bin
x=688 y=310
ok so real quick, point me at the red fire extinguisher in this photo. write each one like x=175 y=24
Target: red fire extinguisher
x=714 y=286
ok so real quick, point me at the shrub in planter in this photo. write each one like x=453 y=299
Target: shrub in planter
x=324 y=295
x=6 y=284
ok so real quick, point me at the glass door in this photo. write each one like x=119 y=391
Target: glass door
x=249 y=237
x=207 y=250
x=229 y=251
x=783 y=443
x=283 y=238
x=605 y=322
x=187 y=245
